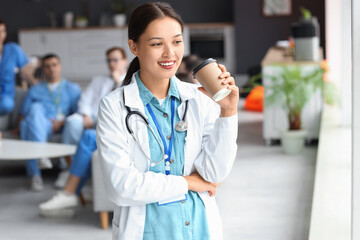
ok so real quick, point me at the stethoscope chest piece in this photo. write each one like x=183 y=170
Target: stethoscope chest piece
x=181 y=126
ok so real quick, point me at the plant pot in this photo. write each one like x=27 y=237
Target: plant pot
x=119 y=20
x=80 y=23
x=293 y=141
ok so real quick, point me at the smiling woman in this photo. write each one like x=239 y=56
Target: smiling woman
x=160 y=53
x=162 y=179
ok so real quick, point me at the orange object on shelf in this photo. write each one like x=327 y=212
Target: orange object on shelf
x=255 y=100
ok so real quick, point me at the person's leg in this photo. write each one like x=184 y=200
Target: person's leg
x=81 y=165
x=63 y=201
x=7 y=104
x=35 y=127
x=73 y=129
x=71 y=134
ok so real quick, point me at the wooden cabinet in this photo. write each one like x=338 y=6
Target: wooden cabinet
x=82 y=51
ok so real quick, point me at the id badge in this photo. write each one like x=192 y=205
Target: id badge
x=180 y=198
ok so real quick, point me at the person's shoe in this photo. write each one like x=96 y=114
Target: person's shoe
x=45 y=163
x=36 y=184
x=62 y=179
x=60 y=205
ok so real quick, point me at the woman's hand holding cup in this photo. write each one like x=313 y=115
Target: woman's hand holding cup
x=229 y=103
x=222 y=89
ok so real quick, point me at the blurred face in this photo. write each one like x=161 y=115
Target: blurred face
x=116 y=62
x=3 y=33
x=52 y=69
x=160 y=49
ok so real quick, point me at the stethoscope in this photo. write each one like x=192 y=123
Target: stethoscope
x=180 y=126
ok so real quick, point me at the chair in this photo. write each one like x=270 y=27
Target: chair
x=100 y=201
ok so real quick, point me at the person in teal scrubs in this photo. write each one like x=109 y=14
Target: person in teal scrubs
x=44 y=110
x=11 y=57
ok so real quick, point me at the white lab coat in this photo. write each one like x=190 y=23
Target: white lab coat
x=210 y=149
x=99 y=87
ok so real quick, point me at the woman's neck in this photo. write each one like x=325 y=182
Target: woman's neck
x=158 y=87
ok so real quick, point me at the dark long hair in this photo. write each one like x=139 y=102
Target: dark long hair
x=139 y=20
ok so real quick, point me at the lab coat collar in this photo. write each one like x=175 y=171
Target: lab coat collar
x=147 y=96
x=133 y=100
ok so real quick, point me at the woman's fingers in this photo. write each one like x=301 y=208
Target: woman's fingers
x=222 y=67
x=224 y=75
x=212 y=191
x=229 y=80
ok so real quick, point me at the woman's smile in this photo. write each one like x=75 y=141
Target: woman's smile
x=167 y=64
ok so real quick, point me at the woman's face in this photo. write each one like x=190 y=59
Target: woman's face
x=160 y=49
x=116 y=62
x=2 y=33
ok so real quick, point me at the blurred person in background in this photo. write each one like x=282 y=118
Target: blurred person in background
x=186 y=68
x=44 y=110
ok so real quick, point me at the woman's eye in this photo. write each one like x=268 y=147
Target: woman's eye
x=156 y=44
x=178 y=42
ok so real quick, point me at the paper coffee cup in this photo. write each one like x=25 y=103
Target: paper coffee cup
x=207 y=73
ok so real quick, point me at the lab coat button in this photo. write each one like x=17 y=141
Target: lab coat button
x=187 y=223
x=165 y=115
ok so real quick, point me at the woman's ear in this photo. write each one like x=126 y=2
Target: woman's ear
x=132 y=46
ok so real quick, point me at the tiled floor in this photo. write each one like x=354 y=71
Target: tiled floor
x=267 y=196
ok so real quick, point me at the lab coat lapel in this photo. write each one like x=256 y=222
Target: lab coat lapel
x=133 y=101
x=186 y=94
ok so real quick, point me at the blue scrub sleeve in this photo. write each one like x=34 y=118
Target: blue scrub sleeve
x=21 y=58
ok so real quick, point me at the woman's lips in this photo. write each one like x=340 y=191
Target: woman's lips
x=167 y=64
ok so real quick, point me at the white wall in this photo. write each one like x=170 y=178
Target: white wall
x=356 y=119
x=338 y=51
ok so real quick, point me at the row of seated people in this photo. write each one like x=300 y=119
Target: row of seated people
x=56 y=105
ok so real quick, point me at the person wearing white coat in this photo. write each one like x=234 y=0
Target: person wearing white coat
x=64 y=203
x=155 y=38
x=99 y=86
x=86 y=115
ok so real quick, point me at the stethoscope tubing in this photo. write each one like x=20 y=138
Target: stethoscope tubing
x=127 y=119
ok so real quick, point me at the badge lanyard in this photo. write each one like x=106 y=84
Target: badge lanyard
x=57 y=100
x=167 y=150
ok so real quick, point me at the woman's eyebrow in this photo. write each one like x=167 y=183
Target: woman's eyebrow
x=159 y=38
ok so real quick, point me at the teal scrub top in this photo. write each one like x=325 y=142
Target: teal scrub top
x=180 y=220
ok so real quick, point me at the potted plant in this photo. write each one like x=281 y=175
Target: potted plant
x=81 y=21
x=119 y=8
x=291 y=88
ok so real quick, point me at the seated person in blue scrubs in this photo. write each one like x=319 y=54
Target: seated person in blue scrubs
x=83 y=123
x=11 y=57
x=44 y=110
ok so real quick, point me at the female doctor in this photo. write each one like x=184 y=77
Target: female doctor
x=161 y=176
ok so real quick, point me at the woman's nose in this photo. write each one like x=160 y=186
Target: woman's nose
x=168 y=50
